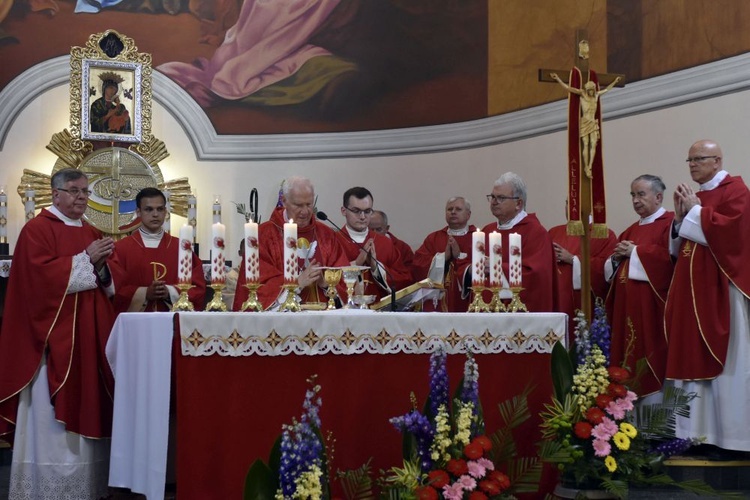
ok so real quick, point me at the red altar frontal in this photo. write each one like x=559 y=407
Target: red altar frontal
x=240 y=376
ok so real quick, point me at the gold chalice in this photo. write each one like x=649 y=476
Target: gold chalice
x=332 y=278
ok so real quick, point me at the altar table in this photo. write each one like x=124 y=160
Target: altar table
x=240 y=376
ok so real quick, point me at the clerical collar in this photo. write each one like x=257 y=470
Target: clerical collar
x=459 y=232
x=67 y=220
x=358 y=236
x=651 y=218
x=515 y=220
x=714 y=183
x=151 y=240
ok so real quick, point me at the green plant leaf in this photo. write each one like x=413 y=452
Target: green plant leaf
x=357 y=484
x=562 y=371
x=260 y=482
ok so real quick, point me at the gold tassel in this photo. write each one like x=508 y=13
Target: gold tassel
x=600 y=231
x=575 y=228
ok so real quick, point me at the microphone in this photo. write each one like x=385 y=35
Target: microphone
x=322 y=216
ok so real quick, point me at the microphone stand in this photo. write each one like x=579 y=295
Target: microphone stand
x=322 y=216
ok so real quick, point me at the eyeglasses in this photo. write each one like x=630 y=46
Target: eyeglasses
x=500 y=199
x=358 y=212
x=75 y=192
x=699 y=159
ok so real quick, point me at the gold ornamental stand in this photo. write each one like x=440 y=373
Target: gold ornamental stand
x=515 y=304
x=496 y=305
x=478 y=304
x=183 y=302
x=217 y=303
x=291 y=304
x=252 y=303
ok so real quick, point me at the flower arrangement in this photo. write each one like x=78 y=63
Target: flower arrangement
x=447 y=454
x=592 y=429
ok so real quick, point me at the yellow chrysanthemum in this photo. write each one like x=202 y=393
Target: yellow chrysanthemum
x=621 y=440
x=629 y=430
x=611 y=463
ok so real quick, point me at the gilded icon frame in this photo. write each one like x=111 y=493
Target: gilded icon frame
x=126 y=106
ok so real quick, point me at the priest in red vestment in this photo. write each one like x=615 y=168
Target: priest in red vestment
x=55 y=383
x=708 y=311
x=508 y=206
x=317 y=247
x=448 y=249
x=379 y=224
x=144 y=265
x=364 y=247
x=639 y=271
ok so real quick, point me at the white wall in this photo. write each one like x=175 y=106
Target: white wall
x=412 y=189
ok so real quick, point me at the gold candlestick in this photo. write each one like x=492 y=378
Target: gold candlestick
x=252 y=303
x=515 y=304
x=478 y=304
x=496 y=305
x=332 y=277
x=183 y=302
x=217 y=303
x=291 y=303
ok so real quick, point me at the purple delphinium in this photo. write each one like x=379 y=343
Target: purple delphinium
x=438 y=381
x=673 y=446
x=582 y=340
x=470 y=393
x=600 y=331
x=421 y=428
x=300 y=446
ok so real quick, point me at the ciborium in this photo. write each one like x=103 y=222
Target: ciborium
x=332 y=276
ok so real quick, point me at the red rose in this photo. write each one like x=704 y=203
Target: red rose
x=583 y=430
x=492 y=488
x=603 y=400
x=484 y=442
x=617 y=390
x=499 y=478
x=594 y=415
x=473 y=450
x=438 y=478
x=457 y=467
x=618 y=374
x=426 y=493
x=477 y=495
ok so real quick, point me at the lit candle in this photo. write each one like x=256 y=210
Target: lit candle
x=218 y=230
x=477 y=258
x=252 y=261
x=496 y=258
x=3 y=215
x=168 y=209
x=192 y=203
x=514 y=260
x=29 y=203
x=291 y=265
x=217 y=209
x=185 y=255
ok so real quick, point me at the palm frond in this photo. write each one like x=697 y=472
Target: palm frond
x=525 y=473
x=357 y=484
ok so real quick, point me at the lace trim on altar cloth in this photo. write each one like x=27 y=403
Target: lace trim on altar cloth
x=53 y=482
x=273 y=344
x=82 y=277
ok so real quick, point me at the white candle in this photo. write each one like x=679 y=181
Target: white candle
x=217 y=209
x=185 y=255
x=514 y=260
x=168 y=209
x=477 y=258
x=496 y=258
x=218 y=260
x=291 y=267
x=252 y=261
x=192 y=203
x=3 y=215
x=29 y=203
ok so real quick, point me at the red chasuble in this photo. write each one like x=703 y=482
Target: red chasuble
x=328 y=253
x=397 y=275
x=538 y=261
x=74 y=328
x=697 y=312
x=133 y=267
x=567 y=299
x=407 y=255
x=436 y=243
x=642 y=302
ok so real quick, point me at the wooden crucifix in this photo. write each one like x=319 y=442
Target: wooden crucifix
x=585 y=163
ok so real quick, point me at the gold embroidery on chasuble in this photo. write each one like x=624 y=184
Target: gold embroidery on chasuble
x=688 y=248
x=623 y=275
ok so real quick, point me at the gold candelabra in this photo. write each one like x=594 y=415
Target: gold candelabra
x=252 y=303
x=478 y=304
x=496 y=304
x=515 y=303
x=183 y=302
x=292 y=301
x=217 y=303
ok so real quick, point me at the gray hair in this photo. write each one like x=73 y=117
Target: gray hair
x=657 y=185
x=383 y=215
x=456 y=198
x=516 y=182
x=61 y=177
x=296 y=182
